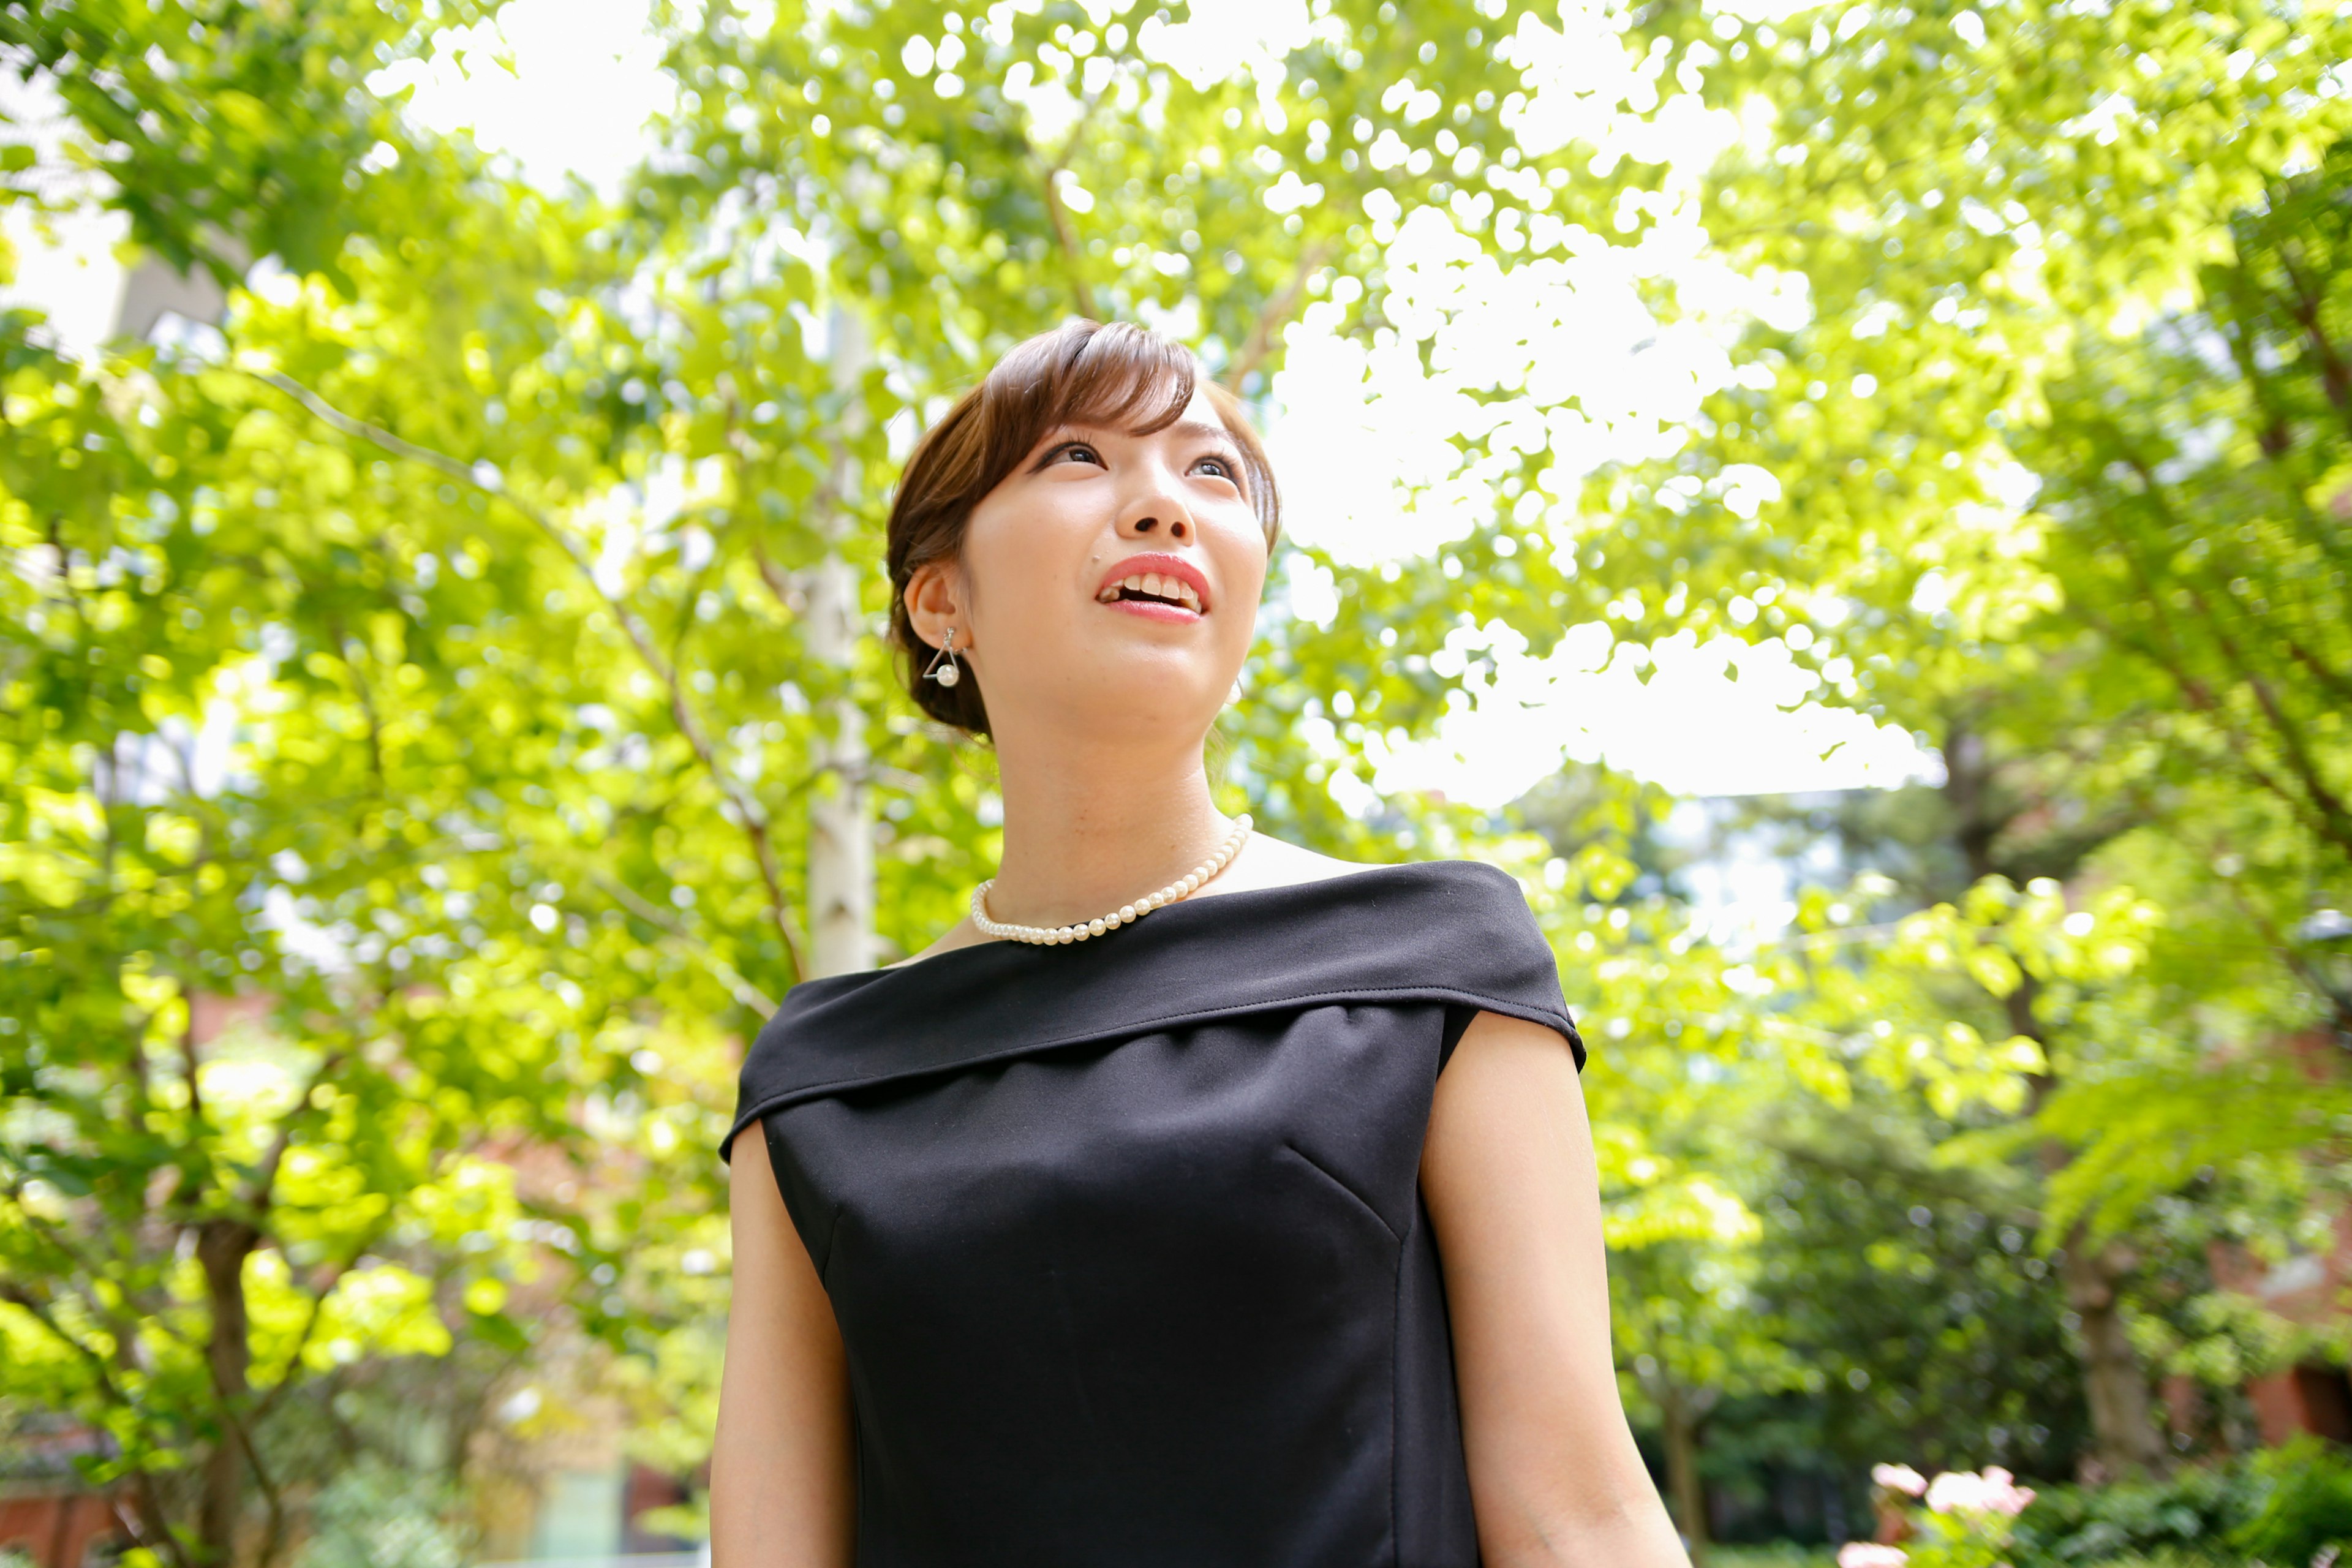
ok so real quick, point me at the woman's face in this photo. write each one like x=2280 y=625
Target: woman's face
x=1109 y=583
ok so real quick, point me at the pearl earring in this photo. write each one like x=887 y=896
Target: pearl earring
x=951 y=672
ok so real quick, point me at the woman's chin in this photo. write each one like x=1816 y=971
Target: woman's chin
x=1140 y=706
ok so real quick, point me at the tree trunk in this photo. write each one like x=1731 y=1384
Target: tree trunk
x=841 y=813
x=2122 y=1417
x=2125 y=1435
x=2125 y=1438
x=222 y=1248
x=1682 y=1472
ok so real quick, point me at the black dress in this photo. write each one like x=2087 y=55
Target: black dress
x=1126 y=1238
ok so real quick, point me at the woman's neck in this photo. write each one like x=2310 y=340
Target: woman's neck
x=1094 y=824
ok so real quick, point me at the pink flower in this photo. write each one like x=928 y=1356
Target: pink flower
x=1870 y=1554
x=2006 y=1496
x=1899 y=1479
x=1956 y=1491
x=1995 y=1492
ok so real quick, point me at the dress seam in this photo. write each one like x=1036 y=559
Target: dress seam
x=1346 y=1189
x=1396 y=1382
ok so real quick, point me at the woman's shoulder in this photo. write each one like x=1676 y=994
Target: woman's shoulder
x=1271 y=864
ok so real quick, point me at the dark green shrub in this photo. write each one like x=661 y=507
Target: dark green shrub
x=2304 y=1504
x=2195 y=1509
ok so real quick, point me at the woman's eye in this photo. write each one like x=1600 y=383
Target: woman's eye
x=1217 y=467
x=1077 y=450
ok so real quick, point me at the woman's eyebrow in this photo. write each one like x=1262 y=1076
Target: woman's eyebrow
x=1201 y=430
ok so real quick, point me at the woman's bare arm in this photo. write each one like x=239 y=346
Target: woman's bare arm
x=781 y=1482
x=1509 y=1177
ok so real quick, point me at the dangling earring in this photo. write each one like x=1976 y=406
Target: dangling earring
x=952 y=672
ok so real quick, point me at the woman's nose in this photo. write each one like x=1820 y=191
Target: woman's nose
x=1158 y=518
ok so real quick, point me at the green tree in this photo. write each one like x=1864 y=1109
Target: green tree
x=1980 y=201
x=437 y=662
x=274 y=729
x=524 y=552
x=230 y=133
x=2198 y=476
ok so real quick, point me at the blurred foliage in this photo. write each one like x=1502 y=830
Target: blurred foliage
x=233 y=132
x=2302 y=1503
x=2196 y=1509
x=2030 y=239
x=1913 y=1295
x=421 y=658
x=2283 y=1505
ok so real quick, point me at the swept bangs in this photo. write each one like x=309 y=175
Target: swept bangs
x=1121 y=378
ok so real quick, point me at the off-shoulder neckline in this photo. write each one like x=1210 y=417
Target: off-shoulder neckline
x=1453 y=933
x=921 y=962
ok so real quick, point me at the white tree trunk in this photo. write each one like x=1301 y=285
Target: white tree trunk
x=841 y=810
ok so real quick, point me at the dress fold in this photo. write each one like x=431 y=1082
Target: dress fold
x=1441 y=931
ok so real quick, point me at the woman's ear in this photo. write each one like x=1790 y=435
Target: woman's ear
x=935 y=602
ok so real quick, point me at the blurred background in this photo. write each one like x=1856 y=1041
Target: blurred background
x=1851 y=503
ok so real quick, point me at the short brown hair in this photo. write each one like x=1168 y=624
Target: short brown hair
x=1081 y=373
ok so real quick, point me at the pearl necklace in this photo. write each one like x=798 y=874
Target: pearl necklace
x=1181 y=888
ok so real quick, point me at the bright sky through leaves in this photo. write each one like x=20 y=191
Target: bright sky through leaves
x=564 y=87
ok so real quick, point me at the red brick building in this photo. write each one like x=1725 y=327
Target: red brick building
x=2310 y=1289
x=46 y=1510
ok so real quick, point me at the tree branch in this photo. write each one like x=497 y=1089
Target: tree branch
x=344 y=648
x=743 y=990
x=120 y=1328
x=2299 y=758
x=1277 y=314
x=293 y=1365
x=2317 y=798
x=1058 y=216
x=2335 y=377
x=486 y=477
x=2321 y=672
x=259 y=1192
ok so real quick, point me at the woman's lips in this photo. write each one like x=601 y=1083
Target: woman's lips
x=1154 y=610
x=1156 y=586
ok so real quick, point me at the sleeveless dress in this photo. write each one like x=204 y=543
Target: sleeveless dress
x=1126 y=1239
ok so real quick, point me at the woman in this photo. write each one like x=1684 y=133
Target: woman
x=1251 y=1221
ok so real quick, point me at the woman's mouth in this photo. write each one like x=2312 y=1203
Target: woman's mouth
x=1151 y=588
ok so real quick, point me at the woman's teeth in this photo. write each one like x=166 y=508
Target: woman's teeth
x=1153 y=585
